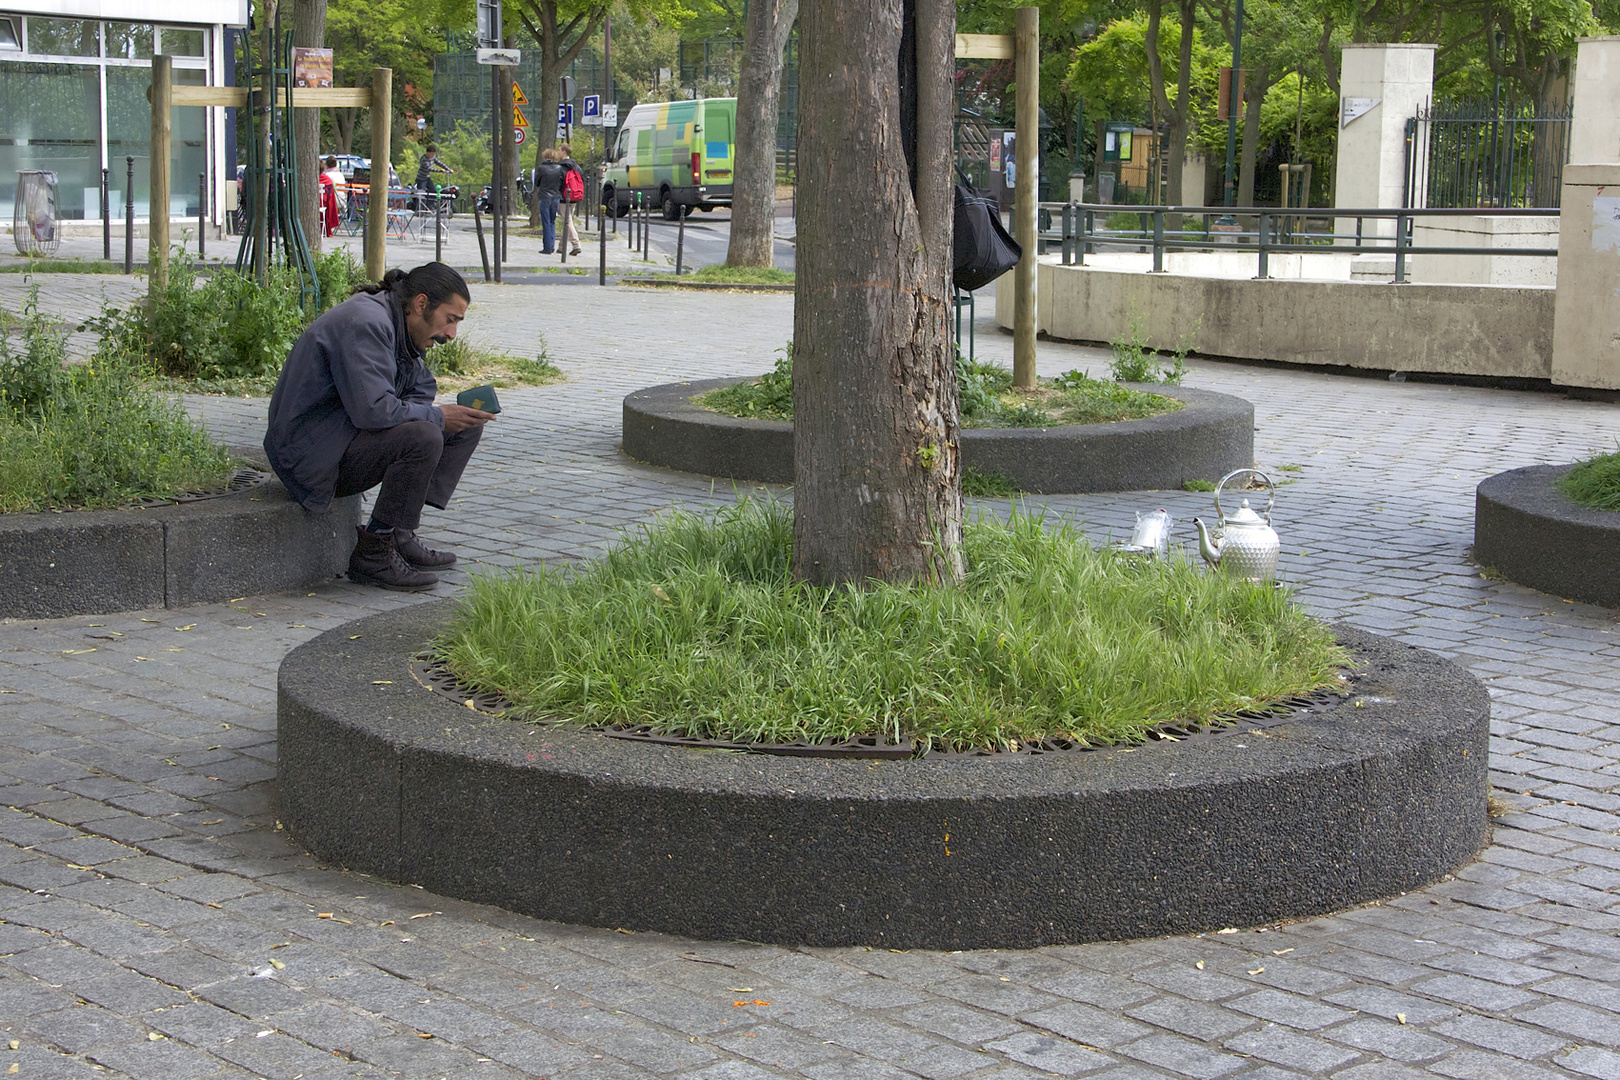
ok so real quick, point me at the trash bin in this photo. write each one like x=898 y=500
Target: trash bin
x=35 y=224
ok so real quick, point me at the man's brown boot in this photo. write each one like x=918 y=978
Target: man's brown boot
x=423 y=558
x=376 y=562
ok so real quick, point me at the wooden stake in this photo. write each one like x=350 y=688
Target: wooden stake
x=1027 y=44
x=382 y=101
x=157 y=257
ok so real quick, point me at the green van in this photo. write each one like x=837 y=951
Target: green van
x=674 y=154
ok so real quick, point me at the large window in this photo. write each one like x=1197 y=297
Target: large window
x=53 y=83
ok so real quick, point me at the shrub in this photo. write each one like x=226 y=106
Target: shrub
x=229 y=328
x=1594 y=483
x=90 y=436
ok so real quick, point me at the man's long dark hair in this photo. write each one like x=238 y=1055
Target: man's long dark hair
x=435 y=280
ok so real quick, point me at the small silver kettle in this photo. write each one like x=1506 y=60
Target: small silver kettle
x=1248 y=546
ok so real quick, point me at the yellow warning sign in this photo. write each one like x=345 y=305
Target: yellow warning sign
x=517 y=96
x=518 y=119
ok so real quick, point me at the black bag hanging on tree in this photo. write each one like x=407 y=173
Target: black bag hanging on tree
x=984 y=250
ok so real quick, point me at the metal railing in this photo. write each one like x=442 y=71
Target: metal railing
x=1266 y=231
x=1477 y=152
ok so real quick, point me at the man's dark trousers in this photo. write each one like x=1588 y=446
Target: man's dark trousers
x=415 y=463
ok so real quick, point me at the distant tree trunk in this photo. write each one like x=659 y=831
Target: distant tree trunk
x=877 y=477
x=1175 y=115
x=759 y=97
x=508 y=136
x=1254 y=95
x=343 y=130
x=309 y=29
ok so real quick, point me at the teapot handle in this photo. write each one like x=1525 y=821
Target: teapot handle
x=1271 y=491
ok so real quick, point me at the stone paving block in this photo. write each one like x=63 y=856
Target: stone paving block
x=1475 y=993
x=81 y=1029
x=1087 y=1025
x=1285 y=1047
x=780 y=1047
x=161 y=1060
x=734 y=1070
x=1518 y=1040
x=687 y=1013
x=961 y=1024
x=854 y=1070
x=878 y=994
x=273 y=1055
x=183 y=967
x=1187 y=981
x=657 y=1051
x=1182 y=1056
x=128 y=993
x=1380 y=1070
x=1478 y=1065
x=1585 y=1024
x=255 y=998
x=1050 y=1055
x=989 y=992
x=58 y=963
x=1190 y=1018
x=1294 y=1011
x=1591 y=1061
x=411 y=1056
x=1402 y=1042
x=1097 y=989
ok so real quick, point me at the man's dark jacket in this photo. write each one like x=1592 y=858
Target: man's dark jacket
x=354 y=369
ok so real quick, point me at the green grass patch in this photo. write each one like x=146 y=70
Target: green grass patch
x=985 y=396
x=987 y=485
x=743 y=275
x=90 y=436
x=696 y=626
x=62 y=266
x=1198 y=485
x=1594 y=483
x=459 y=364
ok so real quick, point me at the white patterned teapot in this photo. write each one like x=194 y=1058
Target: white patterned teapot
x=1248 y=546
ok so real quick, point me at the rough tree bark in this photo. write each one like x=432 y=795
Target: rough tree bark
x=560 y=39
x=877 y=485
x=759 y=98
x=1254 y=95
x=1176 y=116
x=309 y=29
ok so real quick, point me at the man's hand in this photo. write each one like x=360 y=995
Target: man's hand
x=460 y=418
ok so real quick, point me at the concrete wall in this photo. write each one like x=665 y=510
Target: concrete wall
x=1485 y=232
x=1595 y=133
x=1451 y=329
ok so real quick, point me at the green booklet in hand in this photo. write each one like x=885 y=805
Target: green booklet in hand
x=481 y=398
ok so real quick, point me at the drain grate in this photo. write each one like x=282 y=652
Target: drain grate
x=430 y=672
x=239 y=480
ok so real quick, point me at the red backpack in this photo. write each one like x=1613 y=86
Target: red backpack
x=573 y=186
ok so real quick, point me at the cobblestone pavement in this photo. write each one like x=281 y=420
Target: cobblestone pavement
x=155 y=922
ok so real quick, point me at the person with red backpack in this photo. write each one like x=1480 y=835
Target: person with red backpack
x=573 y=195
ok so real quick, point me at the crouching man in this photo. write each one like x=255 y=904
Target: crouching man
x=354 y=408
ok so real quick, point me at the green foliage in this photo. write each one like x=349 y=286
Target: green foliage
x=697 y=627
x=744 y=275
x=990 y=484
x=1134 y=362
x=89 y=436
x=1197 y=485
x=62 y=266
x=978 y=388
x=229 y=328
x=770 y=397
x=462 y=360
x=1594 y=483
x=466 y=150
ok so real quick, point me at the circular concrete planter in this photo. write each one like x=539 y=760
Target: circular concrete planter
x=1363 y=799
x=1208 y=438
x=1528 y=530
x=89 y=562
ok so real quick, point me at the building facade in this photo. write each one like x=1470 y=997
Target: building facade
x=73 y=81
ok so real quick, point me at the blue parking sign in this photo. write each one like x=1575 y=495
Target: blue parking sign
x=593 y=105
x=565 y=113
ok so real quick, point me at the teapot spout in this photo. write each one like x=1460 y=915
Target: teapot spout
x=1210 y=550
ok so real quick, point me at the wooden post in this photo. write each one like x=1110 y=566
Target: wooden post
x=157 y=256
x=382 y=103
x=1027 y=45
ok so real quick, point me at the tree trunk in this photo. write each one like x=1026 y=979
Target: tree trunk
x=343 y=130
x=759 y=97
x=1254 y=94
x=1176 y=115
x=877 y=476
x=309 y=30
x=508 y=137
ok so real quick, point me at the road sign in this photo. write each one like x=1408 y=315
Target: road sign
x=593 y=106
x=517 y=136
x=610 y=115
x=517 y=95
x=518 y=119
x=501 y=57
x=565 y=113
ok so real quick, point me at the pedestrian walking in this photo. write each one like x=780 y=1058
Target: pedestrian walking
x=573 y=195
x=548 y=191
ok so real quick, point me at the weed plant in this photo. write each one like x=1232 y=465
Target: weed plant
x=697 y=627
x=1134 y=362
x=985 y=398
x=459 y=363
x=987 y=484
x=89 y=436
x=1594 y=483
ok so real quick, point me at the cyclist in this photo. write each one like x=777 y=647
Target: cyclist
x=424 y=174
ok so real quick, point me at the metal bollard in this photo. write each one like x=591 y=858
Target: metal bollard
x=483 y=251
x=129 y=216
x=680 y=240
x=601 y=254
x=106 y=219
x=562 y=231
x=438 y=233
x=202 y=214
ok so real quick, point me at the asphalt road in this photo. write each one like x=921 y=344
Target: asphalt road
x=707 y=236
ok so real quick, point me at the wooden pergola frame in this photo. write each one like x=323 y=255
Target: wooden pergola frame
x=165 y=95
